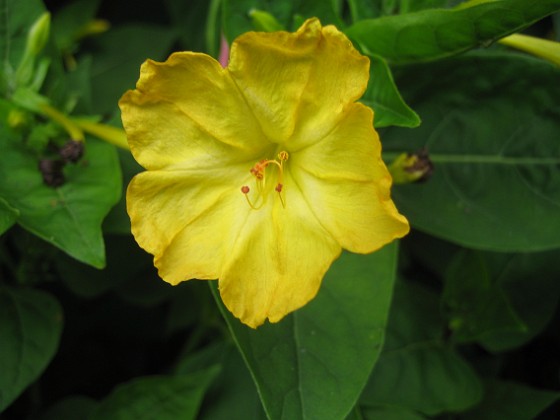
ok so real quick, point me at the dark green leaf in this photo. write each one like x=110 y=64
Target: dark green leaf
x=315 y=362
x=490 y=126
x=406 y=6
x=383 y=96
x=30 y=328
x=417 y=370
x=512 y=401
x=74 y=407
x=474 y=301
x=127 y=264
x=365 y=9
x=69 y=21
x=438 y=33
x=69 y=216
x=233 y=394
x=388 y=412
x=190 y=22
x=116 y=65
x=530 y=281
x=8 y=216
x=161 y=397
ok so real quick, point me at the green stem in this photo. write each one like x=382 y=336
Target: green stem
x=105 y=132
x=54 y=114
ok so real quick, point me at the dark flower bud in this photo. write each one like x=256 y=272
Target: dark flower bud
x=51 y=170
x=72 y=151
x=411 y=167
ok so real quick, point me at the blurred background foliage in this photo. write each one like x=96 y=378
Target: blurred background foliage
x=459 y=320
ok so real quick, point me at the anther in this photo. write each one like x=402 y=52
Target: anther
x=245 y=189
x=283 y=156
x=278 y=188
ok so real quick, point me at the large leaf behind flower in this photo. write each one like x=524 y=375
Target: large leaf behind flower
x=418 y=370
x=490 y=125
x=315 y=362
x=437 y=33
x=70 y=216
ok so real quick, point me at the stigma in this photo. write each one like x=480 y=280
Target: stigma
x=259 y=171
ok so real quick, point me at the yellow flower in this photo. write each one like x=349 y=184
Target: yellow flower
x=260 y=173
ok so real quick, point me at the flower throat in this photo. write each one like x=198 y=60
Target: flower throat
x=259 y=172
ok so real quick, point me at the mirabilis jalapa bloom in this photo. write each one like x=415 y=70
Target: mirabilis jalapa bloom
x=260 y=173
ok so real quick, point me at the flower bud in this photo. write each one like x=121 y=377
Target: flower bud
x=72 y=151
x=38 y=34
x=51 y=170
x=415 y=167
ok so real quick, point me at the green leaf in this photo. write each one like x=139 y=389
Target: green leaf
x=315 y=362
x=233 y=394
x=438 y=33
x=383 y=96
x=8 y=216
x=30 y=328
x=530 y=282
x=417 y=370
x=387 y=412
x=161 y=397
x=117 y=221
x=474 y=301
x=496 y=184
x=74 y=407
x=365 y=9
x=119 y=54
x=290 y=13
x=69 y=20
x=190 y=20
x=127 y=264
x=69 y=216
x=16 y=17
x=512 y=401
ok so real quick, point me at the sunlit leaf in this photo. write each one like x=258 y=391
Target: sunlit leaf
x=69 y=216
x=437 y=33
x=383 y=96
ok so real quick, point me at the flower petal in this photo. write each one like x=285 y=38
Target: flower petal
x=188 y=110
x=161 y=204
x=277 y=261
x=297 y=84
x=347 y=185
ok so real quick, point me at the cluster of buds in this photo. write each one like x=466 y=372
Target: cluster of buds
x=52 y=168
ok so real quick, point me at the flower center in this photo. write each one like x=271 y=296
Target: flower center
x=259 y=172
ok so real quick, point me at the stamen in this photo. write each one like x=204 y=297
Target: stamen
x=259 y=172
x=245 y=190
